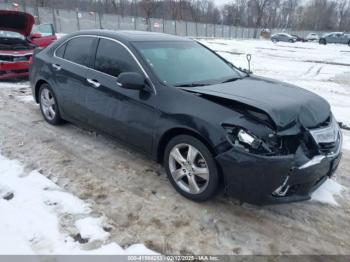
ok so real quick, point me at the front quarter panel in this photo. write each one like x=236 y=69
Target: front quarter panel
x=185 y=110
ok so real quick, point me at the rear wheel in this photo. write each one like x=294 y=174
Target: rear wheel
x=191 y=168
x=49 y=106
x=349 y=43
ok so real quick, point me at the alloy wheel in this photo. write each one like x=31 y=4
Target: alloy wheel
x=48 y=104
x=189 y=168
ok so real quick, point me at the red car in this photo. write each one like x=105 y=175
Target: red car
x=18 y=39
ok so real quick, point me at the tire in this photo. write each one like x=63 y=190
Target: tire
x=197 y=179
x=274 y=41
x=323 y=41
x=291 y=41
x=49 y=106
x=349 y=43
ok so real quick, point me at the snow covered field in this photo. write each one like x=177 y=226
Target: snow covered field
x=64 y=190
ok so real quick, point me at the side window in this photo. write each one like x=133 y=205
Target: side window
x=60 y=51
x=113 y=59
x=78 y=50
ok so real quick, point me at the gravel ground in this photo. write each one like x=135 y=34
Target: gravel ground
x=134 y=193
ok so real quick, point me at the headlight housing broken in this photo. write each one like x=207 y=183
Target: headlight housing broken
x=243 y=139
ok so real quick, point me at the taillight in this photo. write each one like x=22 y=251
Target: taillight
x=30 y=60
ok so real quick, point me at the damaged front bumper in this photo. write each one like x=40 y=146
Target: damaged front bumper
x=14 y=69
x=262 y=180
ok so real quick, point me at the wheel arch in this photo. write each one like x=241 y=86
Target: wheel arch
x=173 y=132
x=38 y=84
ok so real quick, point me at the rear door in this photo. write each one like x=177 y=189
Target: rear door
x=70 y=63
x=126 y=114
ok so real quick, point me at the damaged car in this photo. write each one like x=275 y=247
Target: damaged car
x=17 y=42
x=212 y=125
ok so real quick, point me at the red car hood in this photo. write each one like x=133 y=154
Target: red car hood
x=16 y=21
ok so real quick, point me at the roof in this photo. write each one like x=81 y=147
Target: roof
x=132 y=36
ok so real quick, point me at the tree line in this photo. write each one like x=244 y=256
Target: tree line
x=320 y=15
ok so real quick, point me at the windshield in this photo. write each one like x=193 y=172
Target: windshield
x=9 y=34
x=182 y=63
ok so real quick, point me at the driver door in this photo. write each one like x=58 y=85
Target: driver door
x=129 y=115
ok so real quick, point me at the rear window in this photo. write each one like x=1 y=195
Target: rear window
x=78 y=50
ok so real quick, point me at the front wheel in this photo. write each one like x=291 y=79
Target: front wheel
x=191 y=168
x=49 y=106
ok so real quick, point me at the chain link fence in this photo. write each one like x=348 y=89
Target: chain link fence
x=68 y=21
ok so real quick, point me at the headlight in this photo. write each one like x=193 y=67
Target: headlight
x=244 y=137
x=241 y=138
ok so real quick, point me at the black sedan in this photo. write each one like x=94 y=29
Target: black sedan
x=206 y=121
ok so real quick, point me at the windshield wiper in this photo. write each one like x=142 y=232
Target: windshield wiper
x=231 y=79
x=192 y=85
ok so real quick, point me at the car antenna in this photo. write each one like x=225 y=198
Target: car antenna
x=249 y=58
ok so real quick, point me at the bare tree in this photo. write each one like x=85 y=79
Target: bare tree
x=148 y=7
x=260 y=6
x=343 y=9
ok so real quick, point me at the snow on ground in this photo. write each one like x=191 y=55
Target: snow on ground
x=327 y=192
x=346 y=141
x=36 y=214
x=321 y=69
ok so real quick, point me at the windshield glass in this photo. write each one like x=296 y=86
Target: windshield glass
x=9 y=34
x=181 y=63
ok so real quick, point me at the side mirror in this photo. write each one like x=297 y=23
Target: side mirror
x=131 y=80
x=36 y=35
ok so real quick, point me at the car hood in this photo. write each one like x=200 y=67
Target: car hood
x=16 y=21
x=286 y=104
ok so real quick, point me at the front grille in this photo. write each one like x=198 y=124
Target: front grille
x=330 y=148
x=11 y=58
x=6 y=58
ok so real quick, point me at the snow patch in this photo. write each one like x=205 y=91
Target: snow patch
x=327 y=192
x=26 y=99
x=92 y=228
x=32 y=209
x=346 y=141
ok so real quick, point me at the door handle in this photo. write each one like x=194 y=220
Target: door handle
x=57 y=67
x=94 y=83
